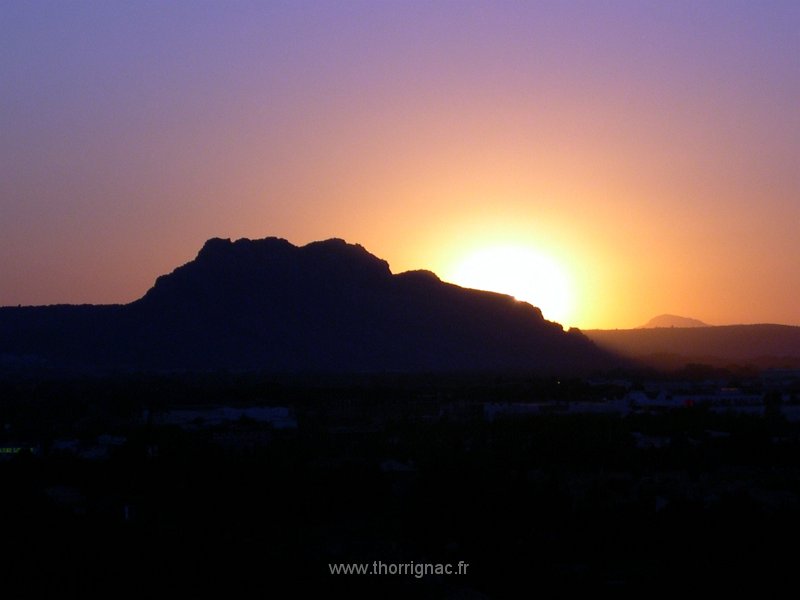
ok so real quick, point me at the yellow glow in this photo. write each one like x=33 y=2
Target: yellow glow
x=521 y=272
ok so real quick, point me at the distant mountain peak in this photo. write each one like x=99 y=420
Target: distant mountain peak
x=672 y=321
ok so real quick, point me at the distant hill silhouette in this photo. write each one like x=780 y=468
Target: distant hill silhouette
x=763 y=346
x=327 y=307
x=672 y=321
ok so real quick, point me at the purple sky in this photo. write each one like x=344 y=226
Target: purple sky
x=653 y=148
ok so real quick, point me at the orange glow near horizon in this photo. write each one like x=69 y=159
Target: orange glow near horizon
x=659 y=177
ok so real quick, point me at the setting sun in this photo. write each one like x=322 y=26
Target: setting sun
x=521 y=272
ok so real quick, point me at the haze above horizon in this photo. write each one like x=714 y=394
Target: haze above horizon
x=648 y=153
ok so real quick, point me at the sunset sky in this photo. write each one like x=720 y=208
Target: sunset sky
x=649 y=150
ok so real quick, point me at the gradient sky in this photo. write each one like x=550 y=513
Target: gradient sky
x=652 y=149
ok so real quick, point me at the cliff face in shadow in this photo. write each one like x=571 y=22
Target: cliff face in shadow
x=328 y=307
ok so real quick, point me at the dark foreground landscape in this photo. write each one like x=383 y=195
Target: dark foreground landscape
x=251 y=486
x=268 y=419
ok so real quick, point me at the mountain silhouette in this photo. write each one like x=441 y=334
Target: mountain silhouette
x=327 y=307
x=672 y=321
